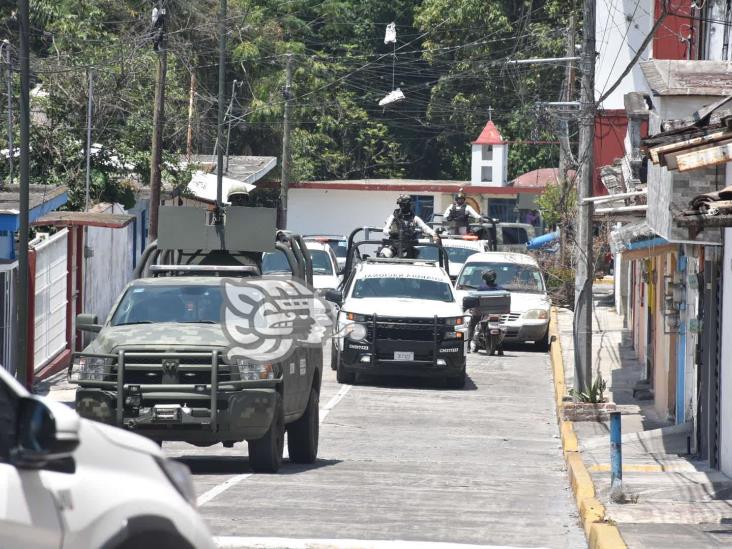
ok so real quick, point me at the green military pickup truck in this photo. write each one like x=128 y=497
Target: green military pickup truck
x=158 y=364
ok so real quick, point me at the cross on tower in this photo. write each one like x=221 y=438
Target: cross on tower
x=490 y=113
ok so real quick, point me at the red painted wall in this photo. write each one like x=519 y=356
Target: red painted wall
x=610 y=129
x=667 y=43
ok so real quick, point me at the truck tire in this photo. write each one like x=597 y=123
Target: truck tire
x=543 y=344
x=344 y=377
x=455 y=382
x=265 y=454
x=333 y=357
x=302 y=435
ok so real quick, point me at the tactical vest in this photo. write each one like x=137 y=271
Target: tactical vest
x=459 y=215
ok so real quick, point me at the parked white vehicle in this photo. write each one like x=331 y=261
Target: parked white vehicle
x=67 y=482
x=325 y=265
x=519 y=274
x=337 y=243
x=458 y=248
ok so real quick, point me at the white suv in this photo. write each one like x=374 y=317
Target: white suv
x=66 y=482
x=520 y=275
x=399 y=317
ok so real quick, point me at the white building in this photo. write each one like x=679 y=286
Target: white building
x=489 y=159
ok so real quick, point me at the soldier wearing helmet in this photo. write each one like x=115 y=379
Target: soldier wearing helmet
x=403 y=224
x=238 y=196
x=458 y=214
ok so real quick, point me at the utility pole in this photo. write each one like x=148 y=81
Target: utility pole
x=191 y=110
x=584 y=271
x=24 y=372
x=9 y=76
x=221 y=113
x=566 y=159
x=235 y=84
x=89 y=111
x=160 y=47
x=285 y=187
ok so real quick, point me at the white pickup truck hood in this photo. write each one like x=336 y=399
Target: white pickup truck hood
x=520 y=302
x=409 y=308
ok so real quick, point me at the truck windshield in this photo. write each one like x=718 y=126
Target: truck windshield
x=510 y=276
x=154 y=304
x=275 y=262
x=409 y=288
x=321 y=262
x=459 y=255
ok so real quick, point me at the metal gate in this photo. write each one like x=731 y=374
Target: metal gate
x=50 y=298
x=8 y=315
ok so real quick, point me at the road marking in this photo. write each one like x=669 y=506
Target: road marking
x=207 y=496
x=234 y=542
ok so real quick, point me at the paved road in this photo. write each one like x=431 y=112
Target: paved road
x=407 y=461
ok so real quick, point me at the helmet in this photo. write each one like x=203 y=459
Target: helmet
x=404 y=199
x=237 y=195
x=489 y=276
x=404 y=202
x=460 y=195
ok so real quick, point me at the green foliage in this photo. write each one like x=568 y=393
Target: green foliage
x=595 y=394
x=450 y=63
x=557 y=204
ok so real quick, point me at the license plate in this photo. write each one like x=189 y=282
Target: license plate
x=403 y=355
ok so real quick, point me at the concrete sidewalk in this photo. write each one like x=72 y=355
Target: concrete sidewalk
x=672 y=500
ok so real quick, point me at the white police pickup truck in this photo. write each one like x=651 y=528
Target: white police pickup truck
x=400 y=317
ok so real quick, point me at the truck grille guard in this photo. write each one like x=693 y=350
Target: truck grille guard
x=193 y=391
x=437 y=325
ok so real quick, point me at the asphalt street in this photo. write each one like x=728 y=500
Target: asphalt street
x=406 y=460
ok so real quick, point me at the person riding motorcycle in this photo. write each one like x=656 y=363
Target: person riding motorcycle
x=488 y=284
x=401 y=229
x=459 y=214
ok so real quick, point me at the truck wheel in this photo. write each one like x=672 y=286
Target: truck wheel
x=342 y=376
x=543 y=344
x=302 y=435
x=333 y=357
x=455 y=382
x=265 y=454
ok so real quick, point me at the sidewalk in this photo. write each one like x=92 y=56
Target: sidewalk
x=673 y=500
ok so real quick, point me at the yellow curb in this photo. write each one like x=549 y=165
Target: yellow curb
x=569 y=439
x=580 y=479
x=605 y=536
x=600 y=534
x=650 y=468
x=593 y=512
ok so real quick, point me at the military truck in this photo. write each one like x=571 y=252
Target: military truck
x=158 y=365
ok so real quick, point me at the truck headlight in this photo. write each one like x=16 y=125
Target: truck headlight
x=351 y=325
x=457 y=327
x=536 y=314
x=92 y=368
x=180 y=477
x=252 y=371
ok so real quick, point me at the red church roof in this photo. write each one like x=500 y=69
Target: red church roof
x=539 y=179
x=489 y=136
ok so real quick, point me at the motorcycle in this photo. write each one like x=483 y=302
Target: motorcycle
x=490 y=333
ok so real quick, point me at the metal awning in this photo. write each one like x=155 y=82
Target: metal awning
x=84 y=219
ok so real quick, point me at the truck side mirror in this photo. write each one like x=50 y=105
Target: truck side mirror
x=470 y=302
x=87 y=323
x=334 y=296
x=46 y=433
